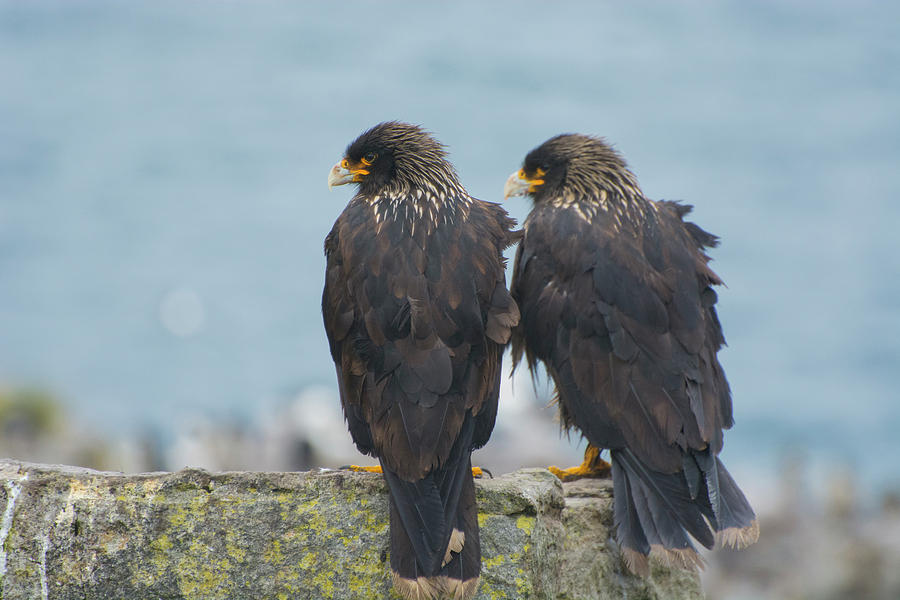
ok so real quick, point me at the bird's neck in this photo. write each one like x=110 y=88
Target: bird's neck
x=425 y=207
x=620 y=207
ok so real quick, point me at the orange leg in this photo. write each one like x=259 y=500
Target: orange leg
x=593 y=466
x=477 y=472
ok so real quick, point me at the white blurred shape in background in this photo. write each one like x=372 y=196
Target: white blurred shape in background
x=182 y=313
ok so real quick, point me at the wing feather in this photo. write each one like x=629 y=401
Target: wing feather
x=630 y=313
x=416 y=327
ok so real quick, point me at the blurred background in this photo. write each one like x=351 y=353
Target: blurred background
x=163 y=203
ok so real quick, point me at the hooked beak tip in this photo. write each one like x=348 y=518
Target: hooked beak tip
x=339 y=176
x=515 y=186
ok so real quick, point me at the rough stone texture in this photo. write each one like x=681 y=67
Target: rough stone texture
x=69 y=533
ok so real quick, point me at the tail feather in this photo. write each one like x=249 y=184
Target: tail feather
x=706 y=461
x=462 y=572
x=435 y=547
x=455 y=472
x=649 y=521
x=629 y=531
x=410 y=580
x=418 y=588
x=419 y=514
x=667 y=533
x=673 y=506
x=656 y=511
x=737 y=526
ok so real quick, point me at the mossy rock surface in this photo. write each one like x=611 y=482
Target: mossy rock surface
x=68 y=533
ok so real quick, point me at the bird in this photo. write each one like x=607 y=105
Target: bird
x=617 y=302
x=417 y=315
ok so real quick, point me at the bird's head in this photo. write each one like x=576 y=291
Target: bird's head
x=394 y=157
x=573 y=165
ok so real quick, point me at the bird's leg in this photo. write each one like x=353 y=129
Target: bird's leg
x=593 y=466
x=477 y=472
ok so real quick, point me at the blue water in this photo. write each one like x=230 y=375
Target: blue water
x=151 y=149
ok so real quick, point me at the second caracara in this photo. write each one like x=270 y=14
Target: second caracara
x=417 y=315
x=617 y=301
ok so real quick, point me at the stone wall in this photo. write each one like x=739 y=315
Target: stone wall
x=68 y=533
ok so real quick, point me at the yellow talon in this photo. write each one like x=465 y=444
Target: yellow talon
x=364 y=469
x=593 y=466
x=478 y=473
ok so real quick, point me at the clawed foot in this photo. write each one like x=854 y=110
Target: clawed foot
x=478 y=473
x=362 y=469
x=593 y=466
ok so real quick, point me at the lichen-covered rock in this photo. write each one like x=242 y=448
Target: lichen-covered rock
x=69 y=533
x=590 y=555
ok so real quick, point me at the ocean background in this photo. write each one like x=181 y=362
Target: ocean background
x=163 y=194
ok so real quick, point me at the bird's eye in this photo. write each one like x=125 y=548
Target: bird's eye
x=522 y=174
x=369 y=158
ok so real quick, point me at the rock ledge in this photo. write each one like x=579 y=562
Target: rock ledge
x=68 y=533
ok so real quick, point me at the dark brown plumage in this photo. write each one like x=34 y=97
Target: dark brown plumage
x=617 y=302
x=417 y=315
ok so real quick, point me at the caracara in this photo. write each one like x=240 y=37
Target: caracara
x=617 y=302
x=417 y=315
